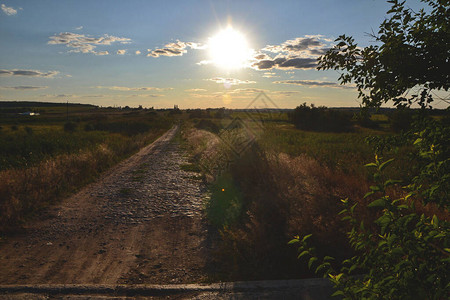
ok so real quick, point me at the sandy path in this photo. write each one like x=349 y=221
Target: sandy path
x=139 y=223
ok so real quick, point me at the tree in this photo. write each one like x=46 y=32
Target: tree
x=404 y=254
x=413 y=52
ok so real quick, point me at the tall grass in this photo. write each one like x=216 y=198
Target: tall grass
x=25 y=190
x=262 y=198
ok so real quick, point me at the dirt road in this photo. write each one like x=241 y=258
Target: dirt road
x=140 y=223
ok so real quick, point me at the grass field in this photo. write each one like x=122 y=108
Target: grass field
x=44 y=158
x=288 y=182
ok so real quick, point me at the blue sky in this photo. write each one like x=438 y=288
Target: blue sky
x=158 y=53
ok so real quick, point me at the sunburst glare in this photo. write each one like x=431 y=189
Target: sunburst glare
x=229 y=49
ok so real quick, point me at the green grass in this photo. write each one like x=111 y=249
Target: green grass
x=19 y=149
x=345 y=151
x=40 y=163
x=190 y=168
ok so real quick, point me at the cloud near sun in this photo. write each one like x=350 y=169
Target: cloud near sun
x=298 y=53
x=174 y=49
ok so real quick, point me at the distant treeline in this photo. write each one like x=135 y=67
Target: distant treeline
x=20 y=104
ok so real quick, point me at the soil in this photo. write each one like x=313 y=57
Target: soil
x=141 y=222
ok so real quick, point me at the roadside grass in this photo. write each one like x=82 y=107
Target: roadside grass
x=289 y=182
x=190 y=168
x=44 y=164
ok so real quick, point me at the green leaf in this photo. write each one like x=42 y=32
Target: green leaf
x=293 y=241
x=375 y=188
x=377 y=203
x=311 y=261
x=368 y=194
x=391 y=182
x=352 y=268
x=337 y=293
x=385 y=164
x=435 y=221
x=322 y=266
x=417 y=141
x=306 y=237
x=370 y=165
x=302 y=254
x=328 y=258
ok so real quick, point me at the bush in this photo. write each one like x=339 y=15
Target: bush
x=362 y=118
x=209 y=125
x=401 y=120
x=320 y=119
x=70 y=126
x=89 y=127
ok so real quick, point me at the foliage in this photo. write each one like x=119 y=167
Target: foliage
x=225 y=206
x=209 y=125
x=363 y=118
x=413 y=52
x=320 y=119
x=403 y=254
x=20 y=149
x=401 y=120
x=407 y=255
x=433 y=180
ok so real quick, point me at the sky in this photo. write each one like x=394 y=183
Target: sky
x=194 y=54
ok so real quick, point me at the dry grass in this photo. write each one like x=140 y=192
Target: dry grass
x=281 y=196
x=25 y=191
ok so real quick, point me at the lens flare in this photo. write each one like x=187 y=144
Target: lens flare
x=229 y=49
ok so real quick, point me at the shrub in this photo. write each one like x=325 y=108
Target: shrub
x=401 y=120
x=70 y=126
x=209 y=125
x=320 y=119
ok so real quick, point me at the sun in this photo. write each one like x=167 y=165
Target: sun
x=229 y=49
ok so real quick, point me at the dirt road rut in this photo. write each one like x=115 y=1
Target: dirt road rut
x=139 y=223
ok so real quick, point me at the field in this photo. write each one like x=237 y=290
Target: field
x=46 y=157
x=287 y=181
x=268 y=178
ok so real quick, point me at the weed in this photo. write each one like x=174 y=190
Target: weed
x=190 y=168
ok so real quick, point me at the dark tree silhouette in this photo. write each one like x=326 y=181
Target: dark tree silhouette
x=413 y=52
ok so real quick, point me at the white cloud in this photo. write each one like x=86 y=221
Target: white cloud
x=195 y=90
x=230 y=81
x=79 y=28
x=270 y=75
x=177 y=48
x=31 y=73
x=57 y=95
x=23 y=87
x=138 y=52
x=81 y=43
x=315 y=83
x=10 y=11
x=126 y=89
x=298 y=53
x=121 y=52
x=246 y=91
